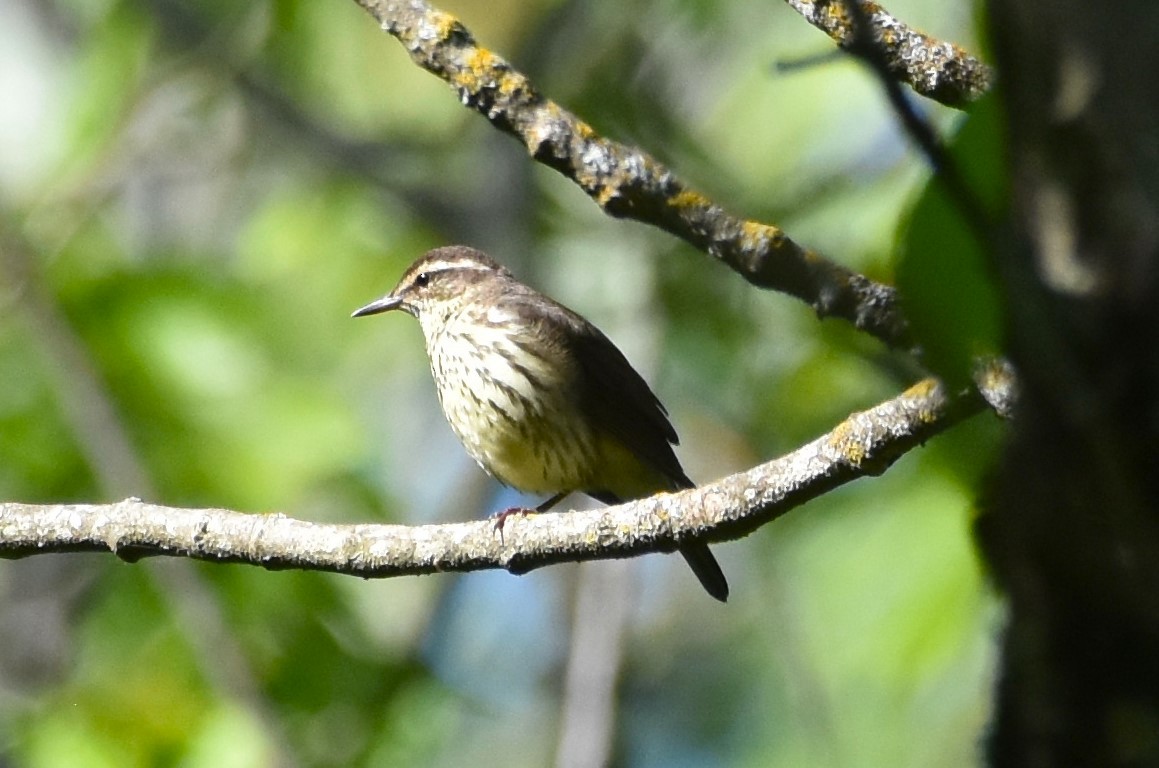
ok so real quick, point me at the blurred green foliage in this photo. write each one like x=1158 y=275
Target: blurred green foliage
x=946 y=270
x=192 y=211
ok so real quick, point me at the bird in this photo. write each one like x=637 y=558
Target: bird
x=539 y=397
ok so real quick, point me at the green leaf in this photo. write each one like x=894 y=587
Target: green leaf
x=946 y=272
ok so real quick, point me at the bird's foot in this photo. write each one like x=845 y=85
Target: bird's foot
x=500 y=518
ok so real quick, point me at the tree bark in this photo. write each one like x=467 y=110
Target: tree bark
x=1071 y=528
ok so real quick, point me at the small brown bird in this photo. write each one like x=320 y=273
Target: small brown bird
x=539 y=397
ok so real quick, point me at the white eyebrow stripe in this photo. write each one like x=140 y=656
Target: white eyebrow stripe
x=443 y=266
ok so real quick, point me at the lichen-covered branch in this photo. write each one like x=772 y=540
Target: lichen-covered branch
x=934 y=68
x=864 y=444
x=627 y=182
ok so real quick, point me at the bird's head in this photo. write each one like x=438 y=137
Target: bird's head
x=440 y=282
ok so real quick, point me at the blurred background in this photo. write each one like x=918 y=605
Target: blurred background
x=193 y=198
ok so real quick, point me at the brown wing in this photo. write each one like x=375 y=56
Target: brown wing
x=610 y=391
x=618 y=400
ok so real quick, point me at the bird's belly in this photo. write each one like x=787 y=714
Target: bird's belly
x=520 y=465
x=524 y=454
x=513 y=429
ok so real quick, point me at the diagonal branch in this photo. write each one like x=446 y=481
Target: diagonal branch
x=934 y=68
x=866 y=443
x=628 y=183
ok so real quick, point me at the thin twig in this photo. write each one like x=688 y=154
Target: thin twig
x=934 y=68
x=867 y=43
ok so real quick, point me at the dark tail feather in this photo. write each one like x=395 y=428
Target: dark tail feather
x=698 y=556
x=707 y=570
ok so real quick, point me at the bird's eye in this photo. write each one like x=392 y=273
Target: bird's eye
x=422 y=279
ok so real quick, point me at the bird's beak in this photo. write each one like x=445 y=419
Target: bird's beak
x=385 y=304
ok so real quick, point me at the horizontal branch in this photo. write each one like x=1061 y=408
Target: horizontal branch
x=628 y=183
x=864 y=444
x=934 y=68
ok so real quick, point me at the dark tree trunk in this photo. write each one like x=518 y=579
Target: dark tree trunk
x=1071 y=527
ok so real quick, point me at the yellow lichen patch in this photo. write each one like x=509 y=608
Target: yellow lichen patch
x=583 y=130
x=512 y=83
x=688 y=198
x=478 y=70
x=482 y=62
x=924 y=391
x=755 y=236
x=844 y=440
x=836 y=16
x=923 y=388
x=443 y=24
